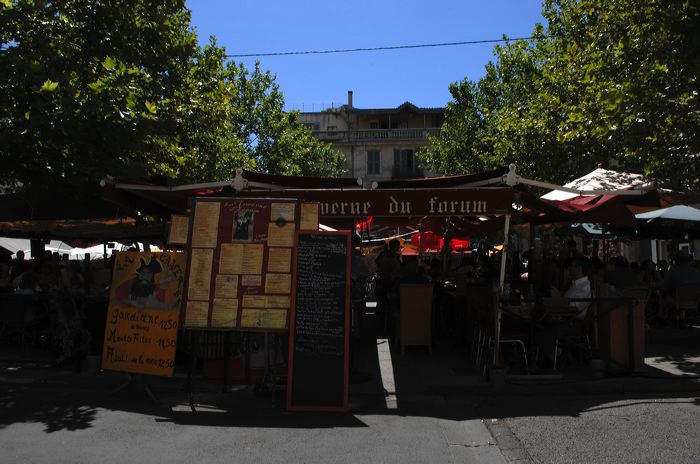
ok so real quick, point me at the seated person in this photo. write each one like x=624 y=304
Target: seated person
x=681 y=273
x=19 y=266
x=27 y=283
x=649 y=276
x=580 y=288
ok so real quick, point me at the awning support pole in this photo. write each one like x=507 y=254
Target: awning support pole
x=502 y=277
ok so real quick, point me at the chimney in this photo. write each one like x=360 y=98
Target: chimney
x=349 y=98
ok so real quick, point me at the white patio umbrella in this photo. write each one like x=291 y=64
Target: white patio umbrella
x=15 y=244
x=600 y=179
x=677 y=213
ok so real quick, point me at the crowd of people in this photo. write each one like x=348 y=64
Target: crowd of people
x=449 y=272
x=52 y=271
x=574 y=280
x=52 y=297
x=567 y=279
x=617 y=275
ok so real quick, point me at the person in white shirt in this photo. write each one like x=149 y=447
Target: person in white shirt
x=580 y=288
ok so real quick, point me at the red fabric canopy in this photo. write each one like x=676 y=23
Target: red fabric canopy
x=438 y=197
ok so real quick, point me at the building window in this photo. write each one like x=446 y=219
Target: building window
x=331 y=128
x=374 y=124
x=312 y=126
x=404 y=165
x=373 y=164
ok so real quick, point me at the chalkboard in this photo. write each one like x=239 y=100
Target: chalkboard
x=320 y=322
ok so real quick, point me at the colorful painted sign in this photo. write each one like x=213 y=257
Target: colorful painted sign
x=144 y=312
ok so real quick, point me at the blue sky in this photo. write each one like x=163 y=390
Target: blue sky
x=377 y=79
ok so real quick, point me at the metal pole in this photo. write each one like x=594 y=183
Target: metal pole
x=506 y=231
x=504 y=257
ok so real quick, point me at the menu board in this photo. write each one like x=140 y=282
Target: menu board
x=319 y=337
x=309 y=216
x=240 y=266
x=179 y=227
x=143 y=314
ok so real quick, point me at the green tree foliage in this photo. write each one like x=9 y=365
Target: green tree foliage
x=274 y=140
x=89 y=88
x=602 y=80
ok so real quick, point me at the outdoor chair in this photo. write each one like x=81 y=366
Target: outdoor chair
x=687 y=299
x=484 y=304
x=480 y=301
x=577 y=340
x=415 y=315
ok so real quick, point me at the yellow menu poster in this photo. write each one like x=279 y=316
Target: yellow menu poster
x=205 y=230
x=279 y=259
x=179 y=228
x=279 y=301
x=278 y=283
x=280 y=235
x=200 y=274
x=264 y=318
x=254 y=301
x=283 y=211
x=197 y=313
x=309 y=216
x=267 y=301
x=241 y=258
x=224 y=312
x=252 y=258
x=226 y=286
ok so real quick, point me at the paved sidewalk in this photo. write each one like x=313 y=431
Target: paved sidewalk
x=76 y=419
x=417 y=407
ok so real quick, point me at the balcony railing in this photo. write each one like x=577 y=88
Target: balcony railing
x=367 y=135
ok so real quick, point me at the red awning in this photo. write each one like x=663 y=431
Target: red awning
x=342 y=198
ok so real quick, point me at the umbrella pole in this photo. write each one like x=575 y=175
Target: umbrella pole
x=605 y=244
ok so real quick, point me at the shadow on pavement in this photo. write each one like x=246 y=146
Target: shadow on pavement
x=676 y=351
x=57 y=411
x=441 y=385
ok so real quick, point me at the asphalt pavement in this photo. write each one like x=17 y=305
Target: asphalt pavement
x=58 y=415
x=432 y=408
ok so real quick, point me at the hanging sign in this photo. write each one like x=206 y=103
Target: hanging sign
x=405 y=203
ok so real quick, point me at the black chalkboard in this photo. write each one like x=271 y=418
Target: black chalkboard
x=320 y=322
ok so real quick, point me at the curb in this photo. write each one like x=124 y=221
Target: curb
x=508 y=443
